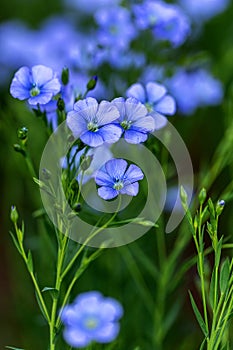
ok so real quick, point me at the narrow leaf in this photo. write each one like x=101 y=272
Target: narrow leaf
x=224 y=275
x=30 y=261
x=198 y=316
x=16 y=242
x=218 y=252
x=212 y=287
x=13 y=348
x=53 y=291
x=202 y=346
x=40 y=305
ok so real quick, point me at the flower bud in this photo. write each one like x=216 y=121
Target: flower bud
x=86 y=162
x=92 y=83
x=219 y=207
x=77 y=207
x=60 y=104
x=65 y=75
x=14 y=214
x=23 y=133
x=202 y=196
x=46 y=174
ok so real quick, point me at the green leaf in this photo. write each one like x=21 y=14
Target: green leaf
x=202 y=345
x=171 y=316
x=30 y=261
x=13 y=348
x=198 y=316
x=210 y=229
x=211 y=209
x=16 y=242
x=43 y=186
x=53 y=291
x=224 y=275
x=212 y=289
x=40 y=305
x=218 y=252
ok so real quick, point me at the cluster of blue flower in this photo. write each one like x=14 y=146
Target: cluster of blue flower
x=111 y=38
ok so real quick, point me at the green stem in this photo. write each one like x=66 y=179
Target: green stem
x=60 y=260
x=81 y=269
x=37 y=288
x=30 y=165
x=69 y=266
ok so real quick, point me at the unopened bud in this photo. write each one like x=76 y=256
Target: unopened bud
x=65 y=75
x=92 y=83
x=219 y=207
x=46 y=174
x=23 y=133
x=60 y=104
x=202 y=196
x=14 y=214
x=86 y=162
x=77 y=207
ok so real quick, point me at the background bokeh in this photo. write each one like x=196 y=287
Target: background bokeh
x=20 y=322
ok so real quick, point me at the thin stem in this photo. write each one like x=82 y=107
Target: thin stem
x=88 y=240
x=30 y=165
x=37 y=288
x=60 y=260
x=74 y=280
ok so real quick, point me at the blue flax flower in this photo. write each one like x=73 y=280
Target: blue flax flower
x=115 y=27
x=156 y=99
x=37 y=85
x=167 y=21
x=134 y=119
x=114 y=179
x=93 y=122
x=193 y=89
x=203 y=10
x=91 y=318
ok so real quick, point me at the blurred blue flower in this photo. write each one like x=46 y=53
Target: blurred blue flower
x=156 y=99
x=114 y=179
x=203 y=10
x=98 y=156
x=37 y=85
x=134 y=119
x=193 y=89
x=91 y=6
x=115 y=27
x=167 y=21
x=93 y=122
x=91 y=318
x=18 y=47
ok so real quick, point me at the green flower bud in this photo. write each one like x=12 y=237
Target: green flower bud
x=85 y=162
x=77 y=207
x=23 y=133
x=202 y=196
x=65 y=76
x=219 y=207
x=46 y=174
x=60 y=104
x=92 y=83
x=14 y=214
